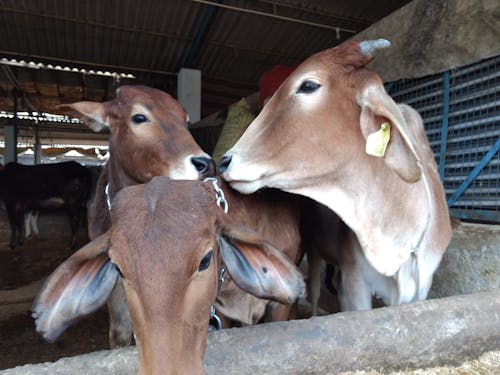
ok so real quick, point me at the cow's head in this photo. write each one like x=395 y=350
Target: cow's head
x=149 y=135
x=168 y=241
x=316 y=126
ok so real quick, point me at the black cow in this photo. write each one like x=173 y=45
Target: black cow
x=43 y=187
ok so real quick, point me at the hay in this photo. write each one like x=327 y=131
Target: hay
x=238 y=117
x=487 y=363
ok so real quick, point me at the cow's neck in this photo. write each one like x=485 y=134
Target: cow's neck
x=117 y=178
x=384 y=220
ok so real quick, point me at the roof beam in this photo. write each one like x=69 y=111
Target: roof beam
x=207 y=20
x=92 y=23
x=275 y=3
x=283 y=18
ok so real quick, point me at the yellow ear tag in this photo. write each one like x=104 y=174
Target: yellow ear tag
x=376 y=143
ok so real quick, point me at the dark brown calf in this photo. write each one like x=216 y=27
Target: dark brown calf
x=170 y=271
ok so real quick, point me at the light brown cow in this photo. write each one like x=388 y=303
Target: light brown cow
x=168 y=242
x=148 y=137
x=311 y=139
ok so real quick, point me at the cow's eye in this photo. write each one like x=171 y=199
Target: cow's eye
x=205 y=262
x=308 y=87
x=139 y=118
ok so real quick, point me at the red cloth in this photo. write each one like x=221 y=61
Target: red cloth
x=271 y=80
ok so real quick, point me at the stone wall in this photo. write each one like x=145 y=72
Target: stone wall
x=429 y=37
x=472 y=262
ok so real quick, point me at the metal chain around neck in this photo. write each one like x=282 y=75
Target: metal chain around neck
x=219 y=194
x=108 y=199
x=215 y=323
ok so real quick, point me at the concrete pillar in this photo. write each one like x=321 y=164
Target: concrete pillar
x=189 y=92
x=10 y=135
x=10 y=150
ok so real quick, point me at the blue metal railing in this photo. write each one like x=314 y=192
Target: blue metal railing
x=461 y=114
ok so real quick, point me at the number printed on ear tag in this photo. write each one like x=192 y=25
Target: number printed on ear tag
x=376 y=143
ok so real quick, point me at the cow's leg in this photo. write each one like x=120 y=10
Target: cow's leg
x=428 y=262
x=27 y=223
x=121 y=330
x=16 y=218
x=13 y=233
x=315 y=265
x=74 y=221
x=20 y=228
x=354 y=292
x=414 y=279
x=278 y=312
x=34 y=223
x=225 y=321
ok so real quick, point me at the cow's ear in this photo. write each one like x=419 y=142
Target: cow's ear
x=92 y=114
x=78 y=287
x=259 y=268
x=387 y=133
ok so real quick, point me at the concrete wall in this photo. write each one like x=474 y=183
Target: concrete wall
x=429 y=36
x=472 y=262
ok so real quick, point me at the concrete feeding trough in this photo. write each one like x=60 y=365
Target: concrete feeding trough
x=445 y=331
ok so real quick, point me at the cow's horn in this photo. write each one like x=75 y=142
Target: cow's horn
x=368 y=47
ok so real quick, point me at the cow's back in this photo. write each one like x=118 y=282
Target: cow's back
x=44 y=181
x=274 y=214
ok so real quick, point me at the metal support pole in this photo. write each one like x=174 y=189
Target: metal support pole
x=38 y=145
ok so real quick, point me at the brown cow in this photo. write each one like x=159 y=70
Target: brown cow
x=317 y=137
x=170 y=271
x=149 y=137
x=271 y=214
x=275 y=216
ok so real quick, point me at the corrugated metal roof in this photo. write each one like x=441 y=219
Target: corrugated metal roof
x=153 y=39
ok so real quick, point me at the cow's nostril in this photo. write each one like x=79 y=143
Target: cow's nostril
x=204 y=165
x=224 y=163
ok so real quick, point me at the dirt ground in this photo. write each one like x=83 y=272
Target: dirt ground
x=21 y=273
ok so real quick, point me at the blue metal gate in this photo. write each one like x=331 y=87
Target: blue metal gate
x=461 y=113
